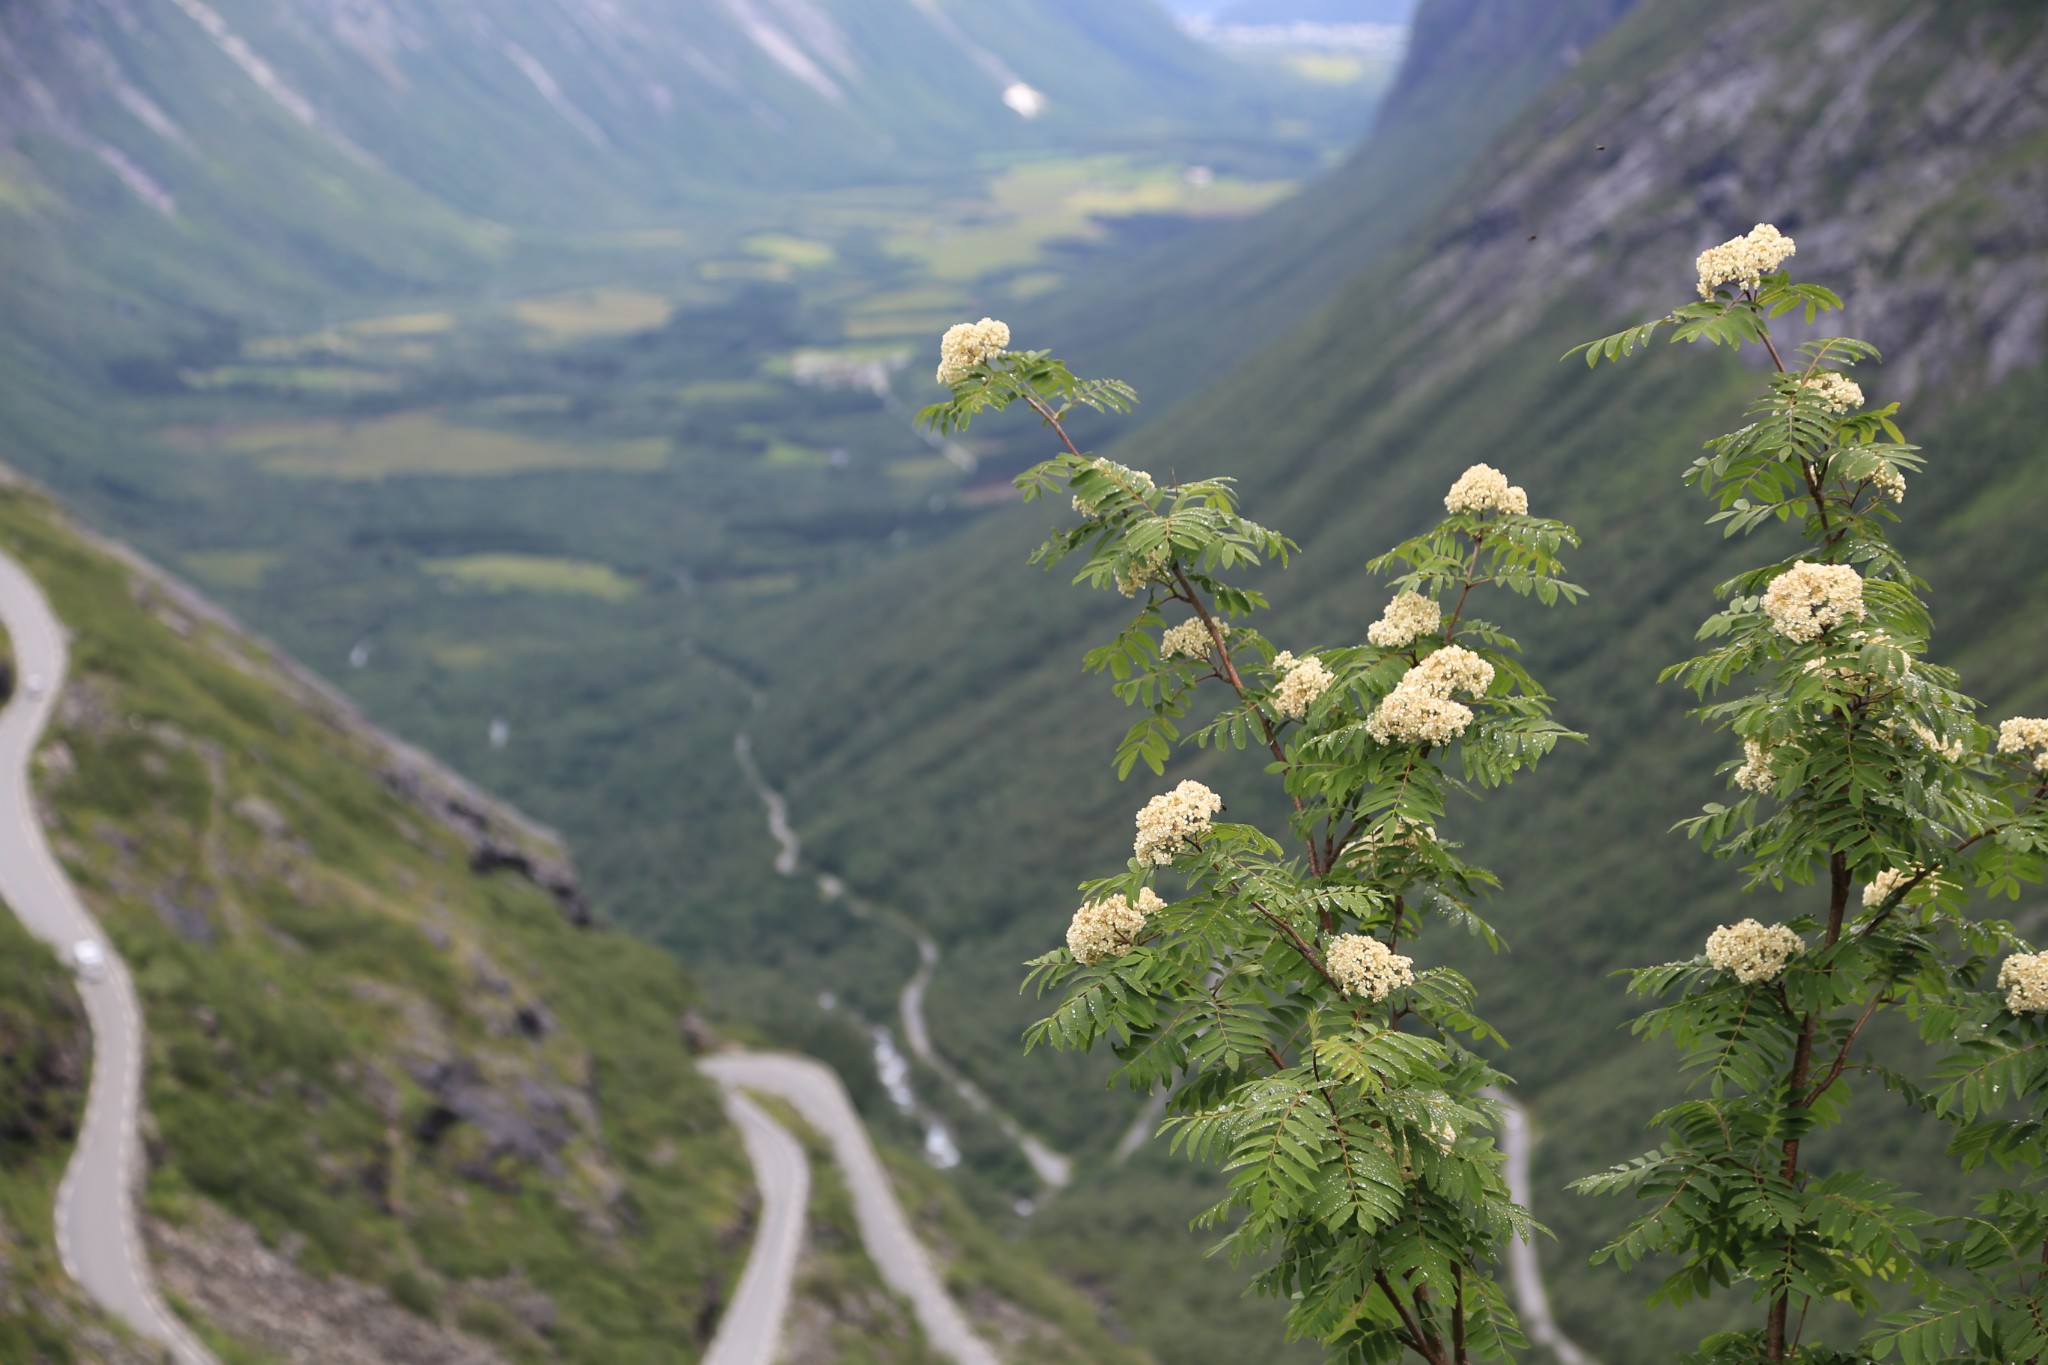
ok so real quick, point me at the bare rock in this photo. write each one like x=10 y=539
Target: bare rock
x=267 y=819
x=260 y=1296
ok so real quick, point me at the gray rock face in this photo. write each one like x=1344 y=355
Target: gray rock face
x=262 y=1296
x=1925 y=212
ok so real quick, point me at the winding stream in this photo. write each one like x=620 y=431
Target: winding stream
x=1053 y=1168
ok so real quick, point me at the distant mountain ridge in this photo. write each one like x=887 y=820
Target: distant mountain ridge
x=634 y=103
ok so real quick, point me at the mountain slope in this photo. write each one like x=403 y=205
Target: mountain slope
x=395 y=1099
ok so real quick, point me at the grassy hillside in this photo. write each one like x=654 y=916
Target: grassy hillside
x=411 y=1081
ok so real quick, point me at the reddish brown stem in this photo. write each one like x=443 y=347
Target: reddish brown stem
x=1422 y=1344
x=1802 y=1064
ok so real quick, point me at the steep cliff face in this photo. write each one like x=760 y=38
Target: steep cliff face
x=1901 y=144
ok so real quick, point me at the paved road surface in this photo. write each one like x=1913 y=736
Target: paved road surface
x=1532 y=1302
x=96 y=1232
x=817 y=1094
x=752 y=1326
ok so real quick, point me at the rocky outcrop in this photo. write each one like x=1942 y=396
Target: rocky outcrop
x=262 y=1296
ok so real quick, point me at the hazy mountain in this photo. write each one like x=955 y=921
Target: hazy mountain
x=1202 y=305
x=1316 y=12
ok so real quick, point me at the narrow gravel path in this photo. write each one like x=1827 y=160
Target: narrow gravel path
x=97 y=1237
x=751 y=1330
x=815 y=1090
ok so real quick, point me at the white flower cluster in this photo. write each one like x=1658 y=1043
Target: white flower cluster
x=1420 y=710
x=1890 y=483
x=967 y=344
x=1149 y=567
x=1743 y=260
x=1366 y=967
x=1952 y=751
x=1190 y=639
x=1808 y=598
x=2024 y=979
x=1885 y=885
x=1171 y=819
x=1135 y=481
x=1301 y=682
x=1408 y=618
x=1107 y=928
x=1751 y=951
x=1755 y=773
x=2024 y=734
x=1453 y=668
x=1482 y=488
x=1837 y=391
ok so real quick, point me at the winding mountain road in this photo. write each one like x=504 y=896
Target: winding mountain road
x=816 y=1092
x=97 y=1237
x=1525 y=1273
x=751 y=1330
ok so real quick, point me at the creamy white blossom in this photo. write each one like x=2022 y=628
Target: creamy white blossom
x=1190 y=639
x=1755 y=773
x=1809 y=598
x=1751 y=951
x=967 y=344
x=1407 y=618
x=1107 y=928
x=1744 y=260
x=1149 y=567
x=1839 y=392
x=1482 y=488
x=2024 y=979
x=1171 y=819
x=1450 y=670
x=1889 y=483
x=2025 y=734
x=1364 y=966
x=1410 y=715
x=1952 y=751
x=1420 y=710
x=1301 y=682
x=1885 y=885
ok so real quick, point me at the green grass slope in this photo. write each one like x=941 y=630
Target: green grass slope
x=373 y=1071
